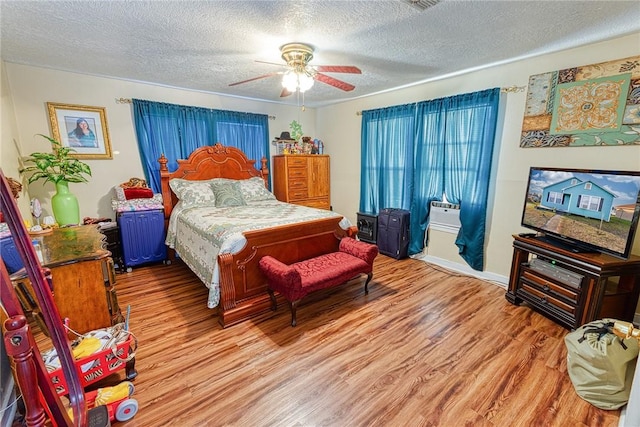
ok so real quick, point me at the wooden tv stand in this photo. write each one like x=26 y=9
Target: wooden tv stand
x=572 y=288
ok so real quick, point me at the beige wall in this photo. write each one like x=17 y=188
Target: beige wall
x=337 y=125
x=9 y=146
x=342 y=127
x=341 y=124
x=31 y=88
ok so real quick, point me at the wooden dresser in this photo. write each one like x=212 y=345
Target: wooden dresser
x=302 y=179
x=83 y=279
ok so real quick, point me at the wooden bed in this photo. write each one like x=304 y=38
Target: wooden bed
x=243 y=289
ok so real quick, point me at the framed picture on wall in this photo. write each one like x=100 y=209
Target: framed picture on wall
x=82 y=128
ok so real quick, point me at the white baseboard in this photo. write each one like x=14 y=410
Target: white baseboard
x=623 y=416
x=494 y=278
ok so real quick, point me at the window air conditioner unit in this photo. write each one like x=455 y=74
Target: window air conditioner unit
x=445 y=217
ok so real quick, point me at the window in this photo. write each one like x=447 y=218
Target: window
x=591 y=203
x=177 y=130
x=413 y=154
x=555 y=197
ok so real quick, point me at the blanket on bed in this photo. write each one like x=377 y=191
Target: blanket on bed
x=199 y=234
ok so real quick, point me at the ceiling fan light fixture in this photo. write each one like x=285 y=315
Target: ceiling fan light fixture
x=299 y=76
x=296 y=80
x=305 y=82
x=290 y=81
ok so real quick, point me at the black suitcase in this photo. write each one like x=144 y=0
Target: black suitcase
x=393 y=232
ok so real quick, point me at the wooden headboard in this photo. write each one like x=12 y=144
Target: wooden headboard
x=217 y=161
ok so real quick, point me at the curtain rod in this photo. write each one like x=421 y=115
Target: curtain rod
x=510 y=89
x=128 y=101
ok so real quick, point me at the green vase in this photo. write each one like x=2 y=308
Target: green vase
x=65 y=205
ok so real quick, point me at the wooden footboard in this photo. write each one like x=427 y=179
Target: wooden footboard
x=243 y=288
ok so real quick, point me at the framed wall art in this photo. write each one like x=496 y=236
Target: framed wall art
x=590 y=105
x=82 y=128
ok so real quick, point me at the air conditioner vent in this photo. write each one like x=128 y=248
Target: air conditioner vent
x=421 y=4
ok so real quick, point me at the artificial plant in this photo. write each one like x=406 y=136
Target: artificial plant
x=57 y=166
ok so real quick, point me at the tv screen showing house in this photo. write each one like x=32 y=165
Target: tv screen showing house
x=597 y=210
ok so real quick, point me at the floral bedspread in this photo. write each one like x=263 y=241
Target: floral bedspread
x=199 y=234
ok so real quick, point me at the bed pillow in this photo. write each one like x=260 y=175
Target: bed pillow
x=253 y=190
x=193 y=193
x=227 y=193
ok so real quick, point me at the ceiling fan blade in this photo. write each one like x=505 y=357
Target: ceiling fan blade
x=285 y=92
x=338 y=69
x=255 y=78
x=334 y=82
x=271 y=63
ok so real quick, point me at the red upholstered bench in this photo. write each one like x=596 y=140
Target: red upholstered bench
x=299 y=279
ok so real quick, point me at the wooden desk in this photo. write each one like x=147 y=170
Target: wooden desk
x=83 y=278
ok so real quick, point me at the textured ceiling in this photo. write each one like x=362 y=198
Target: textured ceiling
x=206 y=45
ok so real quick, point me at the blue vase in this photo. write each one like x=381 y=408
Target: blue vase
x=65 y=205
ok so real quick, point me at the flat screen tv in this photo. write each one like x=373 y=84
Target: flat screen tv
x=584 y=210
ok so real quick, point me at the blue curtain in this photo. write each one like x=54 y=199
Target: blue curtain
x=386 y=171
x=177 y=130
x=246 y=131
x=470 y=132
x=428 y=183
x=447 y=144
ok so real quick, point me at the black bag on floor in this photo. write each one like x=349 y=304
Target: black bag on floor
x=600 y=364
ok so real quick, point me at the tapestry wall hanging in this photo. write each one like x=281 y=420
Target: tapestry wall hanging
x=592 y=105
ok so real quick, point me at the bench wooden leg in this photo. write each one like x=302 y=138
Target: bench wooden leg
x=274 y=303
x=366 y=284
x=293 y=305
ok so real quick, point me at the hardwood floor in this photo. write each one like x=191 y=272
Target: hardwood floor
x=424 y=348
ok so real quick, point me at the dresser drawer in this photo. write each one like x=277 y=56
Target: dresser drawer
x=548 y=286
x=317 y=203
x=297 y=184
x=300 y=162
x=297 y=194
x=297 y=173
x=542 y=299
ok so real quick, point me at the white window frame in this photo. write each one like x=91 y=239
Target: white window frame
x=555 y=197
x=588 y=202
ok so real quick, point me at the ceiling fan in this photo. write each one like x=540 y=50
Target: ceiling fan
x=299 y=75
